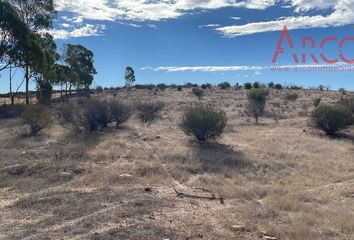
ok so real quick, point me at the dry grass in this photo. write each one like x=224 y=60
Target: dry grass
x=275 y=177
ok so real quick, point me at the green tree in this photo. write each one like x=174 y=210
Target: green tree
x=129 y=77
x=256 y=102
x=80 y=60
x=38 y=15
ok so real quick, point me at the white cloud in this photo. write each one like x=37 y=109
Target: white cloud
x=235 y=18
x=84 y=31
x=205 y=68
x=210 y=26
x=141 y=10
x=257 y=69
x=343 y=14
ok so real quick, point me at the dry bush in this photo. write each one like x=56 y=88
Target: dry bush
x=149 y=111
x=10 y=111
x=204 y=123
x=292 y=97
x=198 y=92
x=94 y=114
x=37 y=117
x=120 y=111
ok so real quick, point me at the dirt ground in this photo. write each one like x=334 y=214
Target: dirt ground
x=278 y=179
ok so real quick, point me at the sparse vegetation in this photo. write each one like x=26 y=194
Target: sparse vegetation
x=92 y=115
x=348 y=103
x=331 y=118
x=37 y=117
x=204 y=123
x=256 y=102
x=206 y=86
x=317 y=101
x=278 y=86
x=149 y=111
x=291 y=97
x=120 y=111
x=198 y=92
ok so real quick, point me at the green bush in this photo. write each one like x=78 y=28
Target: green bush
x=278 y=86
x=256 y=85
x=120 y=111
x=204 y=123
x=224 y=85
x=348 y=103
x=271 y=85
x=256 y=102
x=99 y=89
x=331 y=118
x=198 y=92
x=37 y=117
x=248 y=85
x=206 y=86
x=93 y=114
x=149 y=111
x=179 y=88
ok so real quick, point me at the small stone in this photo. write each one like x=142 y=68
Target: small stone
x=64 y=174
x=269 y=238
x=125 y=175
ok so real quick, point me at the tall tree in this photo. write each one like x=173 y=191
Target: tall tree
x=80 y=60
x=38 y=15
x=129 y=77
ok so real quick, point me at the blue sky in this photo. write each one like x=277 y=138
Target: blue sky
x=202 y=41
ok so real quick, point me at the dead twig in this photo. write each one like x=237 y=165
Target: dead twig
x=213 y=197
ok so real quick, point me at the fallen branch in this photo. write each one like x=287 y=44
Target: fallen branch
x=213 y=197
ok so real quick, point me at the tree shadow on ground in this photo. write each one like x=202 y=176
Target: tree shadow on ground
x=217 y=157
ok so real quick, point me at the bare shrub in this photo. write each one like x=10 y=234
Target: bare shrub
x=94 y=114
x=204 y=123
x=149 y=111
x=120 y=111
x=37 y=117
x=198 y=92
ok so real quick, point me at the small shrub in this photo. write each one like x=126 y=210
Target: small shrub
x=145 y=86
x=224 y=85
x=198 y=92
x=149 y=111
x=179 y=88
x=237 y=86
x=190 y=85
x=99 y=89
x=248 y=85
x=66 y=113
x=206 y=86
x=11 y=111
x=342 y=90
x=278 y=86
x=94 y=114
x=317 y=101
x=256 y=102
x=162 y=86
x=256 y=85
x=348 y=103
x=37 y=117
x=331 y=118
x=120 y=111
x=204 y=123
x=271 y=85
x=291 y=97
